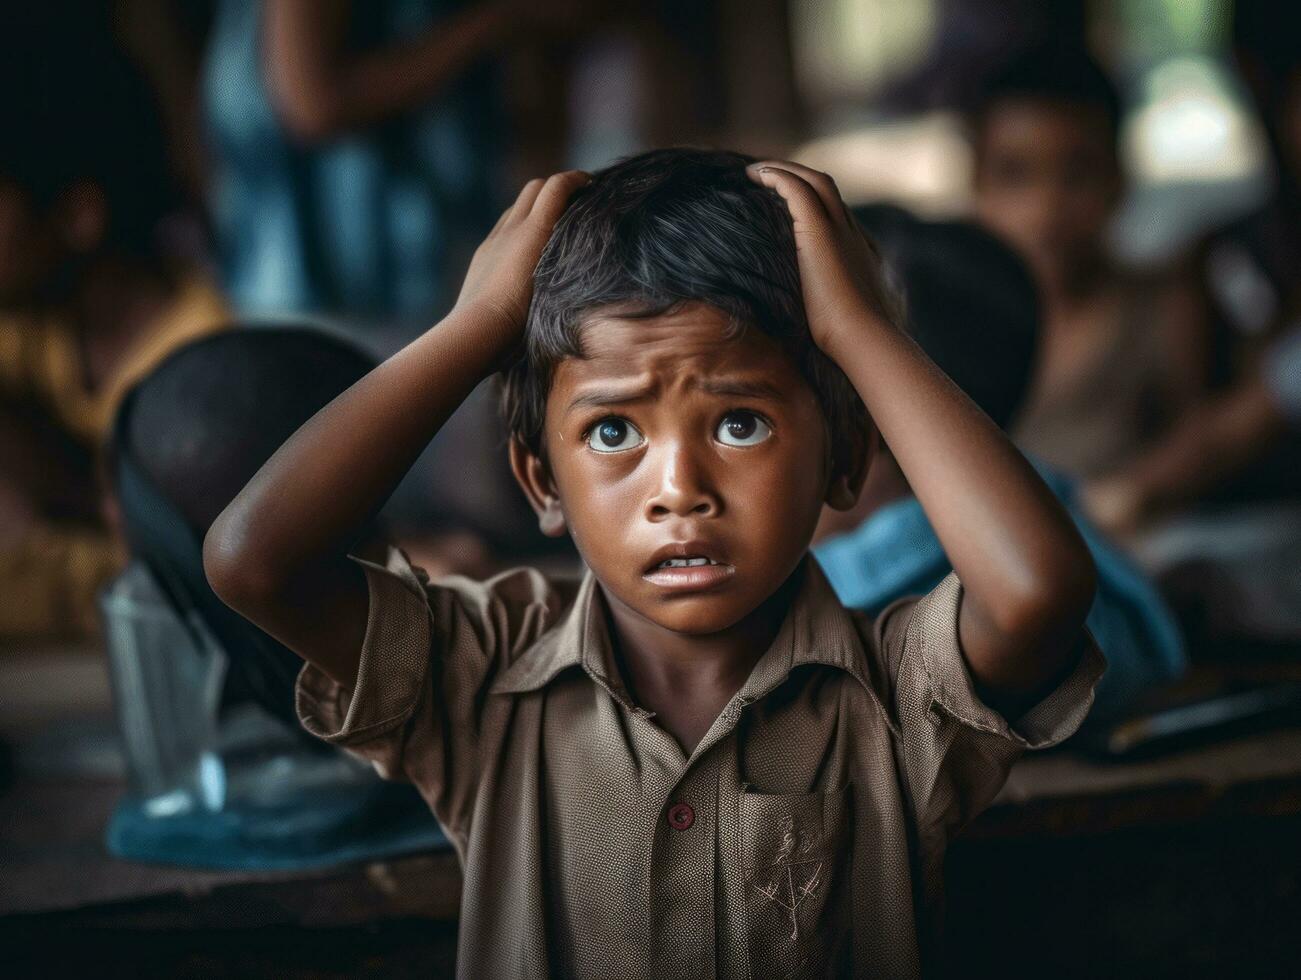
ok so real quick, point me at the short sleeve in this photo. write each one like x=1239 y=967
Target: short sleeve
x=429 y=653
x=956 y=749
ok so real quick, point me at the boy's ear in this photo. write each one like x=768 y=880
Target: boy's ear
x=534 y=478
x=847 y=483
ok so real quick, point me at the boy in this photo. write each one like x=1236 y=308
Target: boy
x=972 y=307
x=1119 y=357
x=698 y=764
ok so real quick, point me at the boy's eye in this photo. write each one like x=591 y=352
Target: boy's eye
x=613 y=435
x=742 y=429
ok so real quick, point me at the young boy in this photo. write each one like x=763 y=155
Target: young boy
x=698 y=763
x=972 y=307
x=1119 y=357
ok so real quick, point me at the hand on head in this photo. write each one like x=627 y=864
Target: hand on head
x=840 y=270
x=499 y=282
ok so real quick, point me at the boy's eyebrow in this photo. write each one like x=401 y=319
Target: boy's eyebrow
x=741 y=388
x=600 y=397
x=724 y=387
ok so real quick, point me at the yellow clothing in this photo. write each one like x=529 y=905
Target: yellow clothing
x=40 y=360
x=50 y=577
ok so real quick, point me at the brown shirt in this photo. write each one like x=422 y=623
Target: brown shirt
x=803 y=837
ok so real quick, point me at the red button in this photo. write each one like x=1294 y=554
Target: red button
x=681 y=816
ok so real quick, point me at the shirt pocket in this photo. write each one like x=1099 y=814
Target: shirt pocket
x=794 y=849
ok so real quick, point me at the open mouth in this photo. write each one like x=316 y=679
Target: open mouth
x=689 y=566
x=690 y=562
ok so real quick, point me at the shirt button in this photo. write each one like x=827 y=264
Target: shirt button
x=681 y=816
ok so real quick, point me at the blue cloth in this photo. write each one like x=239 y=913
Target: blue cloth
x=371 y=224
x=895 y=553
x=322 y=827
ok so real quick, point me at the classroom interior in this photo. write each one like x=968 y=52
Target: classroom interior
x=176 y=169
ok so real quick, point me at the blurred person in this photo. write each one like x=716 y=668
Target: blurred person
x=1215 y=443
x=971 y=305
x=1214 y=507
x=1116 y=364
x=1241 y=444
x=357 y=148
x=186 y=439
x=91 y=297
x=1251 y=266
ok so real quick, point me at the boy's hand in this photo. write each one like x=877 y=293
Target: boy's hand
x=840 y=270
x=499 y=282
x=1027 y=578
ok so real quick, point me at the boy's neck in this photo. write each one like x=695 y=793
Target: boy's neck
x=686 y=680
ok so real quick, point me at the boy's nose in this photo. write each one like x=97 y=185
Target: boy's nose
x=684 y=488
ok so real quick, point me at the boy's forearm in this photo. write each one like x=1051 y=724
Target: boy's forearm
x=1027 y=576
x=329 y=480
x=278 y=553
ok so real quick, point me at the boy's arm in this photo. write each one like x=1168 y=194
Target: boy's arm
x=1027 y=577
x=278 y=553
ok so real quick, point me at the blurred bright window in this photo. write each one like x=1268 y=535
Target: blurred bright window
x=1193 y=150
x=845 y=49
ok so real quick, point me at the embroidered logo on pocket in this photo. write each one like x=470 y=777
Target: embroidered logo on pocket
x=790 y=846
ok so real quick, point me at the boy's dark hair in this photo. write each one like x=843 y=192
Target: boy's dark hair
x=659 y=230
x=1059 y=73
x=970 y=303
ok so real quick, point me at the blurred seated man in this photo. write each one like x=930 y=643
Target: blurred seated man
x=188 y=438
x=186 y=441
x=971 y=305
x=89 y=302
x=1113 y=369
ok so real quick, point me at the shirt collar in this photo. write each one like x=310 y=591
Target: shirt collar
x=817 y=630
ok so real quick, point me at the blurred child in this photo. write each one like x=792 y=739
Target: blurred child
x=671 y=769
x=89 y=302
x=188 y=438
x=1113 y=368
x=237 y=792
x=1242 y=444
x=972 y=307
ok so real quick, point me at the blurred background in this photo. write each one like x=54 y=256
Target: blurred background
x=212 y=210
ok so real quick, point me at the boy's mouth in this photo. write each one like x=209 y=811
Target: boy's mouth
x=687 y=566
x=686 y=562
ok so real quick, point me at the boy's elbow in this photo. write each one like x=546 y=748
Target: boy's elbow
x=234 y=571
x=1077 y=587
x=1055 y=598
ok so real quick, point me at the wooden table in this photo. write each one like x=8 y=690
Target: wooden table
x=1188 y=864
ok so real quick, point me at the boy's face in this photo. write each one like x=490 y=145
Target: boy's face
x=672 y=442
x=1047 y=181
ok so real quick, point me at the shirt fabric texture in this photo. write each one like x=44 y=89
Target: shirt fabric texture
x=803 y=837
